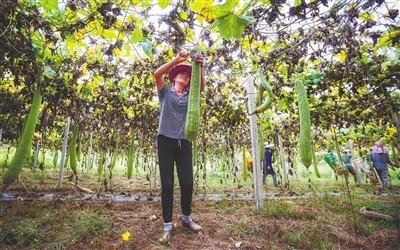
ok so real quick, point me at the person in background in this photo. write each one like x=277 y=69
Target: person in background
x=249 y=161
x=172 y=144
x=338 y=167
x=346 y=158
x=380 y=160
x=267 y=163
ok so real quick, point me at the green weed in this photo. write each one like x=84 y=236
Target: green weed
x=87 y=226
x=307 y=239
x=25 y=232
x=286 y=209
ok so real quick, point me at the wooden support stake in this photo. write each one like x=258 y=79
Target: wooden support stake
x=63 y=153
x=255 y=150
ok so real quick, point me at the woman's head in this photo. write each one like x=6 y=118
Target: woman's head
x=180 y=73
x=345 y=150
x=379 y=147
x=183 y=78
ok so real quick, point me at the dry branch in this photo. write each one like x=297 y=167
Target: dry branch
x=83 y=189
x=370 y=214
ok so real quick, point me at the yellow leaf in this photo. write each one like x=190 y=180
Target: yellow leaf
x=117 y=52
x=84 y=68
x=342 y=56
x=184 y=15
x=202 y=8
x=367 y=16
x=391 y=131
x=118 y=23
x=198 y=6
x=79 y=35
x=126 y=236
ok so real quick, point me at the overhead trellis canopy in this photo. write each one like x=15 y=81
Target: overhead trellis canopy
x=98 y=58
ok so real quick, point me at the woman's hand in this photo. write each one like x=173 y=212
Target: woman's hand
x=181 y=56
x=200 y=58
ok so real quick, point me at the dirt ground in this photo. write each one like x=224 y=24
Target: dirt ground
x=227 y=223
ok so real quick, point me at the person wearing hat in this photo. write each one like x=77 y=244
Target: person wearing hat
x=172 y=144
x=267 y=163
x=380 y=161
x=346 y=159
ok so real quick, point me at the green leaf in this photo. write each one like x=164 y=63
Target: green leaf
x=232 y=26
x=137 y=35
x=297 y=3
x=147 y=47
x=49 y=5
x=224 y=9
x=163 y=3
x=49 y=71
x=198 y=6
x=284 y=70
x=214 y=24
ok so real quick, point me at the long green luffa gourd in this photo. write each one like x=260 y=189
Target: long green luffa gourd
x=73 y=158
x=25 y=142
x=305 y=124
x=192 y=123
x=263 y=87
x=131 y=156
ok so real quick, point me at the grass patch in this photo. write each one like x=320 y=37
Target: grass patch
x=307 y=239
x=86 y=226
x=287 y=210
x=26 y=232
x=51 y=225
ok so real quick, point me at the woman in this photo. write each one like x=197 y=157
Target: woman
x=380 y=160
x=172 y=144
x=346 y=158
x=267 y=163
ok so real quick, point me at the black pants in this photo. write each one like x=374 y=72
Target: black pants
x=171 y=151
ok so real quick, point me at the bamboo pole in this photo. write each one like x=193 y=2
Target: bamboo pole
x=89 y=154
x=255 y=149
x=63 y=153
x=284 y=165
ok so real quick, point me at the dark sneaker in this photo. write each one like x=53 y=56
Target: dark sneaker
x=165 y=238
x=193 y=226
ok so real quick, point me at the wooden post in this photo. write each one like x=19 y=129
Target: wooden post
x=284 y=165
x=89 y=154
x=63 y=154
x=358 y=178
x=255 y=149
x=35 y=156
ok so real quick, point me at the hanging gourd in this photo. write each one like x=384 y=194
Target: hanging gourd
x=245 y=163
x=25 y=142
x=193 y=113
x=131 y=156
x=262 y=88
x=305 y=124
